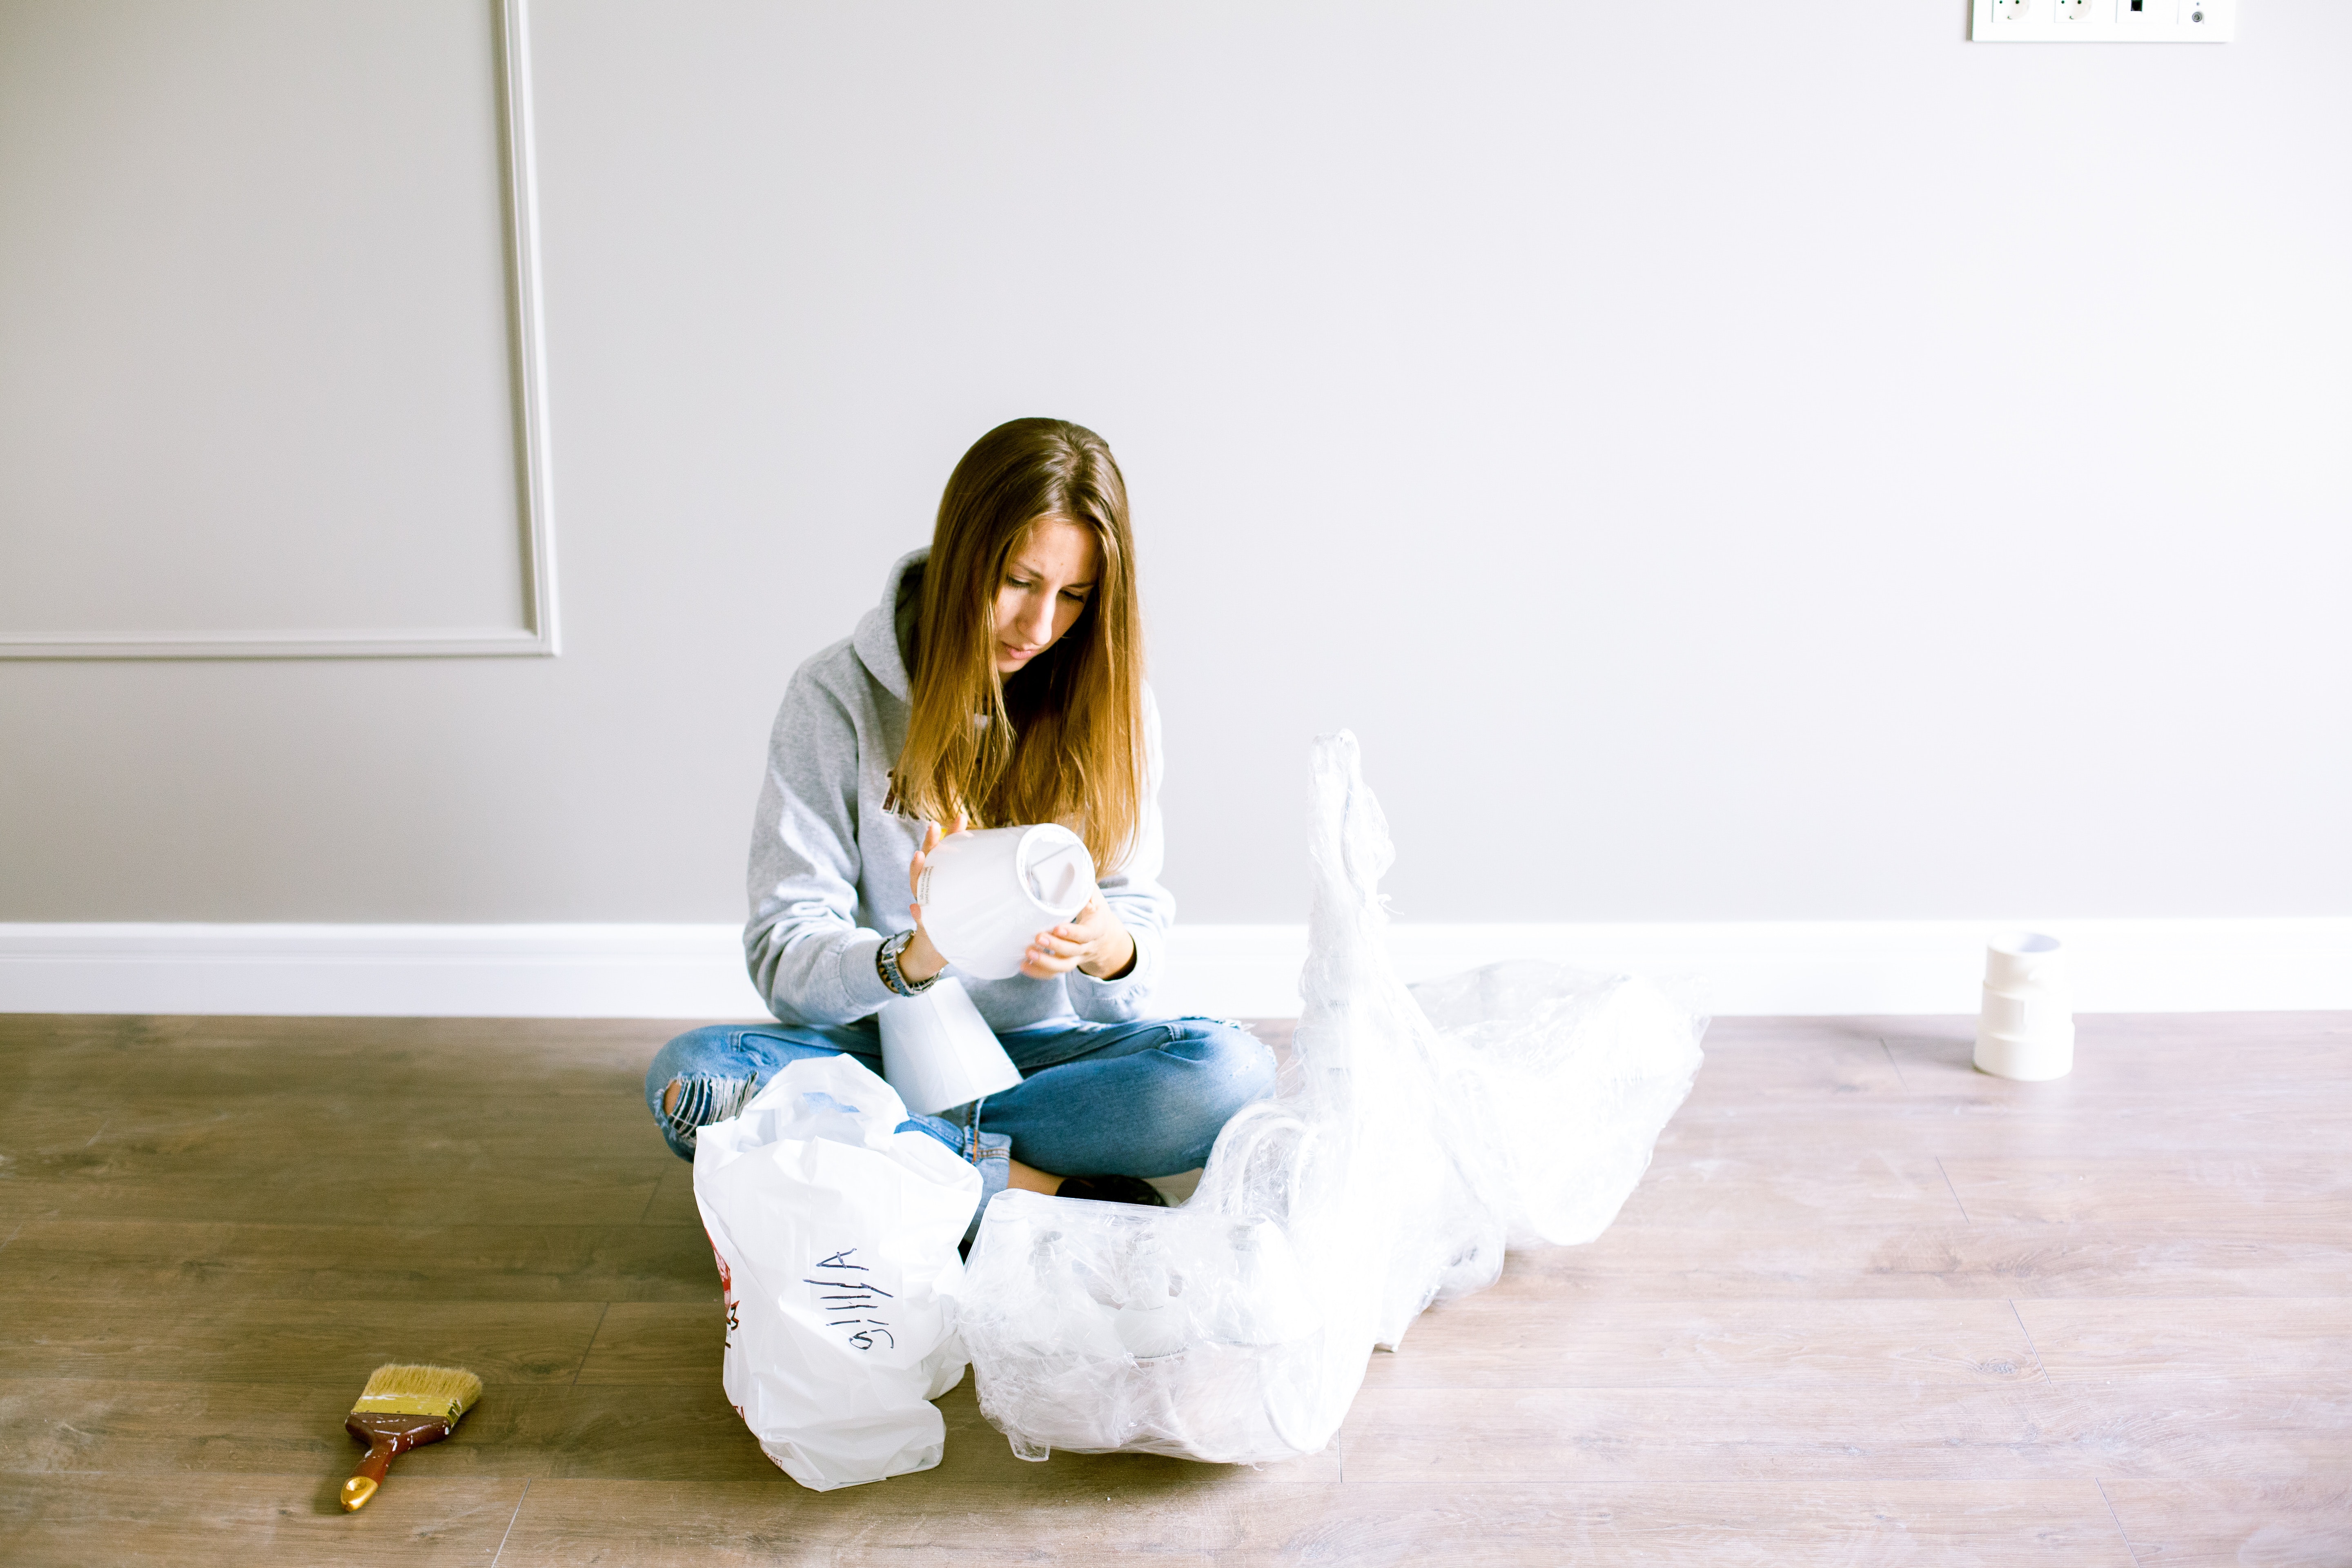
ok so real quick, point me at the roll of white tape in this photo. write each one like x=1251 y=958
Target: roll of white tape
x=2023 y=960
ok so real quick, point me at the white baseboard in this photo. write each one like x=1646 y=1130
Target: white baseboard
x=379 y=971
x=1813 y=968
x=696 y=971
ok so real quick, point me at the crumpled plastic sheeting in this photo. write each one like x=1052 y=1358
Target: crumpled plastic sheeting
x=1414 y=1136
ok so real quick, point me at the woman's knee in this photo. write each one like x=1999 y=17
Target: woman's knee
x=697 y=1051
x=1231 y=1067
x=1240 y=1060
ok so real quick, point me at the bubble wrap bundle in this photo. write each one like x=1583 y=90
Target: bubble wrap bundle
x=1415 y=1135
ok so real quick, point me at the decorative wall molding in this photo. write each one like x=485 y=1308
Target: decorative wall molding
x=527 y=323
x=537 y=636
x=1810 y=968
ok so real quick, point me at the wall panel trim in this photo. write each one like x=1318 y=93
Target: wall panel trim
x=1812 y=968
x=537 y=636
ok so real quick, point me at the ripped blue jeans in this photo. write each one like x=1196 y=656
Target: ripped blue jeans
x=1142 y=1099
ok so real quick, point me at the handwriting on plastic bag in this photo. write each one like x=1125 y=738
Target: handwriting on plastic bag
x=848 y=1299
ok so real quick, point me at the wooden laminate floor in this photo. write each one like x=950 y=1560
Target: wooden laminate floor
x=1867 y=1307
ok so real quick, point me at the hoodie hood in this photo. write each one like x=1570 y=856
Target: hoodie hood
x=887 y=631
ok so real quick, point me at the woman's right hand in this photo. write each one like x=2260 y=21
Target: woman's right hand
x=920 y=960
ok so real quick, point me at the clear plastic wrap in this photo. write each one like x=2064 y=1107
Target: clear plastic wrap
x=1411 y=1138
x=1574 y=1072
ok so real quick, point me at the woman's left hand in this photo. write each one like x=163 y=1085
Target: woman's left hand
x=1095 y=941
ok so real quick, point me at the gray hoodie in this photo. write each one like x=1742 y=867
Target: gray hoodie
x=828 y=876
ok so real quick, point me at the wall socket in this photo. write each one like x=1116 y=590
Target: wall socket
x=2103 y=21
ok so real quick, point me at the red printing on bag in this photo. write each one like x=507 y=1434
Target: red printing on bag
x=727 y=1294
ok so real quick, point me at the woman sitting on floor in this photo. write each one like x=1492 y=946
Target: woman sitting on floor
x=998 y=682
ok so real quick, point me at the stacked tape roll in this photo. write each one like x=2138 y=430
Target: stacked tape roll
x=2026 y=1027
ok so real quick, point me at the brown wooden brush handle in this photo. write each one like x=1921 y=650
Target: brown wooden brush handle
x=385 y=1436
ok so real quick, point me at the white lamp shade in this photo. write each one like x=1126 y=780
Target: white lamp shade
x=987 y=894
x=938 y=1051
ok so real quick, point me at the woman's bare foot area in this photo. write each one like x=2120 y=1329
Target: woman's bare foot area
x=1029 y=1179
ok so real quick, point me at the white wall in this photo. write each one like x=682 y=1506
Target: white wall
x=1727 y=463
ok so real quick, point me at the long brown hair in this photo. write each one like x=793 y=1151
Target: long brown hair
x=1062 y=739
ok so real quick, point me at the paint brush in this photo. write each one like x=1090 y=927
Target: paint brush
x=404 y=1408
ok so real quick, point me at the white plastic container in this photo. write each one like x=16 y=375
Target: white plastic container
x=987 y=894
x=2025 y=1029
x=938 y=1051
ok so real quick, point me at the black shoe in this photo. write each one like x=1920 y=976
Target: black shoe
x=1111 y=1190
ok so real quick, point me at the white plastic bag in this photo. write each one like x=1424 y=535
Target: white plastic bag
x=837 y=1237
x=1412 y=1136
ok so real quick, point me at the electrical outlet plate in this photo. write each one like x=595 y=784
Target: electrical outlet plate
x=2104 y=21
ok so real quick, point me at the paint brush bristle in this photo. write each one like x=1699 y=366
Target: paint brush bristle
x=404 y=1408
x=447 y=1392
